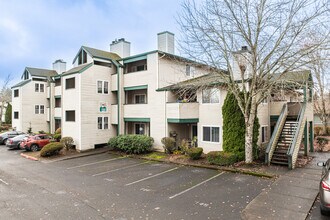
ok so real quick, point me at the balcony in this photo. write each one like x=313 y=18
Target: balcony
x=182 y=110
x=58 y=90
x=136 y=111
x=114 y=114
x=58 y=112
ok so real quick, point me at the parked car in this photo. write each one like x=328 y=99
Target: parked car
x=36 y=142
x=325 y=188
x=14 y=143
x=9 y=134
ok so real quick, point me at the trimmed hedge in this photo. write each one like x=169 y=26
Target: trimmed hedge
x=51 y=149
x=195 y=153
x=221 y=158
x=168 y=144
x=67 y=142
x=132 y=144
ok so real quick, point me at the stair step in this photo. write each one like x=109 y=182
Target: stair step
x=280 y=163
x=280 y=152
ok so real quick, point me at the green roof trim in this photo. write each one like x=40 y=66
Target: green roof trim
x=58 y=118
x=78 y=69
x=139 y=55
x=134 y=59
x=57 y=96
x=136 y=119
x=182 y=120
x=135 y=88
x=274 y=117
x=21 y=83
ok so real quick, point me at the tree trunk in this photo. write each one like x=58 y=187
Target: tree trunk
x=249 y=124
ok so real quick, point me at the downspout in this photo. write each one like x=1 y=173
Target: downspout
x=118 y=102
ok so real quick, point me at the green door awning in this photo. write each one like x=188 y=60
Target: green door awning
x=135 y=88
x=182 y=120
x=136 y=119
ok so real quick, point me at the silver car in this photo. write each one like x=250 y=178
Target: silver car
x=14 y=143
x=325 y=188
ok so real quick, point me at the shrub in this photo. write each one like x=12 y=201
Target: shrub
x=51 y=149
x=168 y=144
x=234 y=128
x=317 y=131
x=58 y=131
x=195 y=153
x=67 y=142
x=132 y=144
x=57 y=137
x=321 y=141
x=184 y=146
x=42 y=132
x=8 y=114
x=221 y=158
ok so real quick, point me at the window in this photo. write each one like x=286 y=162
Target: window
x=57 y=82
x=188 y=69
x=57 y=102
x=136 y=66
x=264 y=134
x=39 y=109
x=39 y=87
x=102 y=123
x=140 y=128
x=70 y=115
x=140 y=99
x=70 y=83
x=57 y=123
x=211 y=95
x=264 y=101
x=99 y=63
x=16 y=93
x=211 y=134
x=15 y=115
x=82 y=57
x=102 y=87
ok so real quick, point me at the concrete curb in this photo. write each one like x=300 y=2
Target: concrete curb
x=228 y=169
x=29 y=157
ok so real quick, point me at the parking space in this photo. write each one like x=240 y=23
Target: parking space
x=126 y=188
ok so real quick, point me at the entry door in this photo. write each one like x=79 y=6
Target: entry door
x=140 y=128
x=194 y=131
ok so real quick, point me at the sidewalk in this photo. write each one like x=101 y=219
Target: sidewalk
x=291 y=196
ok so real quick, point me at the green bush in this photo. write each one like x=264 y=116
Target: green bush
x=132 y=144
x=57 y=137
x=195 y=153
x=184 y=146
x=168 y=144
x=322 y=142
x=51 y=149
x=234 y=129
x=221 y=158
x=67 y=142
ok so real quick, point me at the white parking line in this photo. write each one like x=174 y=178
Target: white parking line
x=180 y=193
x=122 y=168
x=88 y=164
x=149 y=177
x=4 y=182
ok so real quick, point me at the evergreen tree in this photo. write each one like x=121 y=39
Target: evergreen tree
x=8 y=114
x=234 y=128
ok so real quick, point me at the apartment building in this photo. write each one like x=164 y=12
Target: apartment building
x=110 y=93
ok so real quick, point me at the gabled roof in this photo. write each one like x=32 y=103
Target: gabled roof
x=96 y=53
x=22 y=83
x=299 y=77
x=41 y=72
x=77 y=69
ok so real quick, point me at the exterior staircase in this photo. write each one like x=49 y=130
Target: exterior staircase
x=280 y=156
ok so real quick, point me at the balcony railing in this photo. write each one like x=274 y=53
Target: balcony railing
x=182 y=110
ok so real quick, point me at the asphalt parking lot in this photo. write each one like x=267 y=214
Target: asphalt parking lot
x=106 y=186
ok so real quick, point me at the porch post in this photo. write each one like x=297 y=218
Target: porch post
x=311 y=136
x=306 y=137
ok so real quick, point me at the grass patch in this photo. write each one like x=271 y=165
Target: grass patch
x=155 y=155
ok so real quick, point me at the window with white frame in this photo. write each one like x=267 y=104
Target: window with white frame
x=39 y=87
x=188 y=70
x=102 y=87
x=103 y=123
x=211 y=95
x=39 y=109
x=140 y=98
x=264 y=133
x=211 y=134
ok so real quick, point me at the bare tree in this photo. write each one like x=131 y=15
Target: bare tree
x=275 y=33
x=320 y=69
x=5 y=95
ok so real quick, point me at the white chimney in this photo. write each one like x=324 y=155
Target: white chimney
x=59 y=66
x=166 y=42
x=121 y=47
x=242 y=63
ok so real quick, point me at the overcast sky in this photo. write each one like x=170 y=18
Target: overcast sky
x=37 y=32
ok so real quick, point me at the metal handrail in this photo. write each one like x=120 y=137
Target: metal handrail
x=293 y=144
x=272 y=142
